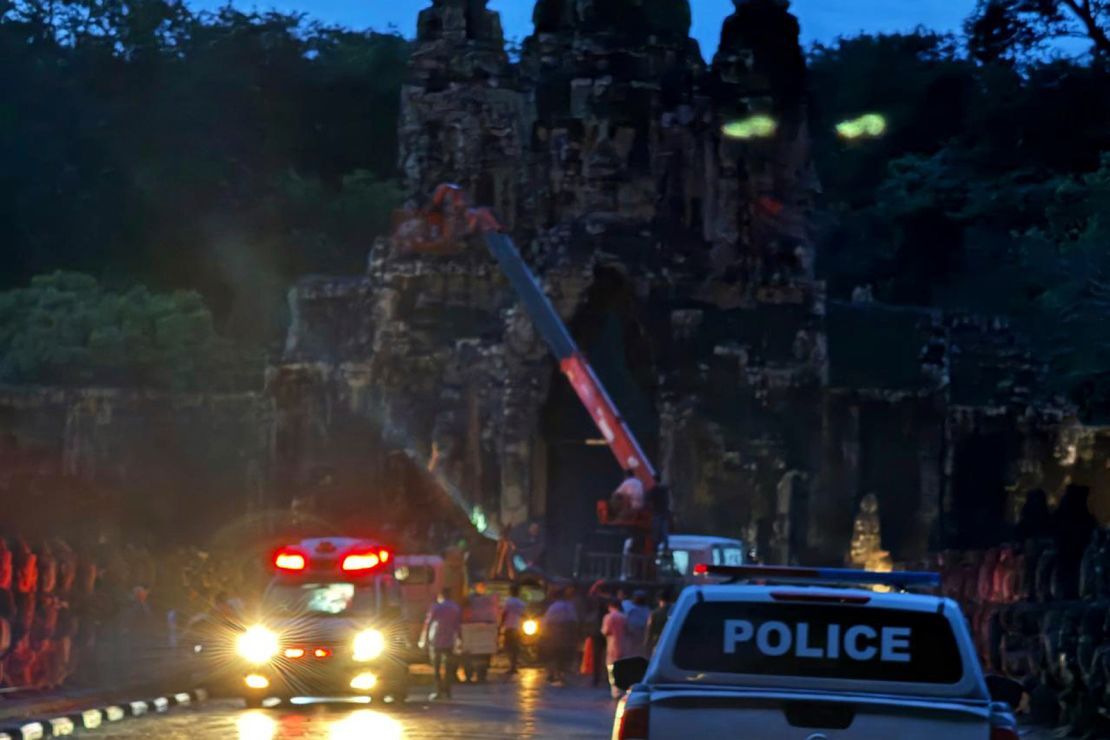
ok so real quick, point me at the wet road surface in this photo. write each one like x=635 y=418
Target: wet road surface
x=506 y=707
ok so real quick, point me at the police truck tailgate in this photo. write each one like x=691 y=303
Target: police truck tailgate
x=788 y=661
x=774 y=715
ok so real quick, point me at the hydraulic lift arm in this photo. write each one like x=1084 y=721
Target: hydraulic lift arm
x=451 y=218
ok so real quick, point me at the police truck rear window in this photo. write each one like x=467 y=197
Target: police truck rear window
x=819 y=641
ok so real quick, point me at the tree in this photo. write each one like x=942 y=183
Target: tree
x=917 y=81
x=145 y=142
x=66 y=329
x=1069 y=268
x=1006 y=30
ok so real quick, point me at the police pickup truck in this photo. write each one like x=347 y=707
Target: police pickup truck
x=801 y=653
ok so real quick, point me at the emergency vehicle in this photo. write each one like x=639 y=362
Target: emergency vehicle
x=329 y=625
x=812 y=654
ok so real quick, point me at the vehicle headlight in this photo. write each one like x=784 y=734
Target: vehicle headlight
x=258 y=645
x=530 y=627
x=369 y=644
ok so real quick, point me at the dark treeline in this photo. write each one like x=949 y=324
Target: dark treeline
x=990 y=190
x=226 y=153
x=220 y=152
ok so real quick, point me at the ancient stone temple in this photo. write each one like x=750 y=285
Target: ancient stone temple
x=678 y=249
x=683 y=261
x=679 y=257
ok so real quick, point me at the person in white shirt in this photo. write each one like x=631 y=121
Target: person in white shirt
x=512 y=616
x=629 y=496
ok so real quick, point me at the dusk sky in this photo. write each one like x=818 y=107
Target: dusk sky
x=822 y=20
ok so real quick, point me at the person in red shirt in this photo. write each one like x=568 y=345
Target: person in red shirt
x=613 y=627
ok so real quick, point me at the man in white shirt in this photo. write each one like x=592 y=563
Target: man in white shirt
x=629 y=496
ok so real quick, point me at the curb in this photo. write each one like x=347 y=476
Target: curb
x=91 y=719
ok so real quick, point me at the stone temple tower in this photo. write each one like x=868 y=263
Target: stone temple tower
x=464 y=118
x=766 y=187
x=680 y=258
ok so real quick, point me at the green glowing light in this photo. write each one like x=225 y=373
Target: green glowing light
x=752 y=127
x=478 y=519
x=867 y=126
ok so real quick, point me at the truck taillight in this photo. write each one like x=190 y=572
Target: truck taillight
x=356 y=562
x=631 y=720
x=290 y=560
x=1003 y=724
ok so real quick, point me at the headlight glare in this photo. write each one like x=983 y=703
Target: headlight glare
x=369 y=644
x=258 y=645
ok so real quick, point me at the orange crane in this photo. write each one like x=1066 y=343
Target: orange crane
x=440 y=229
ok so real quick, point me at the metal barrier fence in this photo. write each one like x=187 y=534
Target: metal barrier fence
x=609 y=566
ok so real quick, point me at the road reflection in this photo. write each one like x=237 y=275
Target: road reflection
x=531 y=689
x=256 y=726
x=357 y=725
x=366 y=723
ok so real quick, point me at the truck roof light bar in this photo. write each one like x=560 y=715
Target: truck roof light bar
x=897 y=579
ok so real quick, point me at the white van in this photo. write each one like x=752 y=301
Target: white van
x=690 y=550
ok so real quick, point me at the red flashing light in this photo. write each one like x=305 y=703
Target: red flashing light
x=290 y=560
x=294 y=653
x=632 y=721
x=701 y=569
x=321 y=652
x=360 y=562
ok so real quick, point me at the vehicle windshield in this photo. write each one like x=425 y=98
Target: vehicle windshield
x=730 y=556
x=321 y=599
x=681 y=561
x=833 y=641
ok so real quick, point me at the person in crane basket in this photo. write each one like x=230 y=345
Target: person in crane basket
x=628 y=499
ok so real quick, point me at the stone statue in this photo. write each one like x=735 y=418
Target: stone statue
x=867 y=542
x=459 y=20
x=760 y=47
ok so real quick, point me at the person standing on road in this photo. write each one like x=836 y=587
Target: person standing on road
x=636 y=626
x=479 y=608
x=598 y=600
x=658 y=620
x=442 y=632
x=560 y=624
x=512 y=616
x=613 y=627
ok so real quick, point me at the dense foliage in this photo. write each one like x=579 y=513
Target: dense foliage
x=987 y=194
x=66 y=329
x=1009 y=30
x=224 y=153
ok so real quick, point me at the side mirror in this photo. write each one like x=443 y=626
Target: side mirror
x=629 y=671
x=1005 y=689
